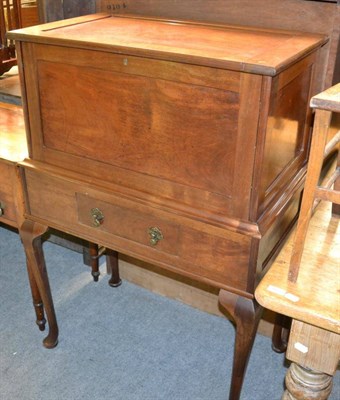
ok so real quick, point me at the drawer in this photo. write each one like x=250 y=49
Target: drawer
x=137 y=226
x=176 y=242
x=7 y=202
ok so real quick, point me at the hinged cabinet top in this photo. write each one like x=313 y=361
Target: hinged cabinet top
x=245 y=49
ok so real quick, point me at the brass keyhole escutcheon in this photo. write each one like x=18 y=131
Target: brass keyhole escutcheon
x=155 y=235
x=97 y=217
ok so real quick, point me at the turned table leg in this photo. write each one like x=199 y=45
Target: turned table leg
x=302 y=383
x=31 y=233
x=111 y=264
x=246 y=314
x=94 y=261
x=315 y=354
x=37 y=301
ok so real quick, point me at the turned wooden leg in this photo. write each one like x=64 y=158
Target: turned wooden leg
x=303 y=384
x=112 y=265
x=31 y=233
x=315 y=353
x=37 y=301
x=246 y=313
x=94 y=261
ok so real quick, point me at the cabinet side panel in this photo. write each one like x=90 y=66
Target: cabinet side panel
x=287 y=132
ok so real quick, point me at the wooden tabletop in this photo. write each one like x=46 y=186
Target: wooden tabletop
x=328 y=99
x=244 y=49
x=13 y=146
x=315 y=297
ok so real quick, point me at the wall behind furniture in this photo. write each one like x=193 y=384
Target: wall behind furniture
x=53 y=10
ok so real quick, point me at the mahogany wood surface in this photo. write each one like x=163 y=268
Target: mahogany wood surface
x=302 y=15
x=246 y=314
x=172 y=148
x=250 y=50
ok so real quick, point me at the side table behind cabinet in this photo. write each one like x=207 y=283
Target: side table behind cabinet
x=13 y=149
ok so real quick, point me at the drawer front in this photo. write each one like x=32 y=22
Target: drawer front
x=7 y=203
x=136 y=226
x=166 y=239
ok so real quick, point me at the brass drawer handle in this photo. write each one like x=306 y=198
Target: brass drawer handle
x=1 y=210
x=97 y=217
x=155 y=235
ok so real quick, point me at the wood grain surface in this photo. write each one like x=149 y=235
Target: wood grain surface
x=314 y=298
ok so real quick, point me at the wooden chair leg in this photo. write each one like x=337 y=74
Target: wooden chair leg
x=336 y=207
x=246 y=313
x=31 y=233
x=321 y=125
x=112 y=265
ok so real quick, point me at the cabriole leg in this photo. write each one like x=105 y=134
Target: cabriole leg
x=246 y=314
x=31 y=233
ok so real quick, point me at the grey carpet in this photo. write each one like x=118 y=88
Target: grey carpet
x=118 y=344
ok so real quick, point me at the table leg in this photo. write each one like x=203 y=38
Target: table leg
x=94 y=261
x=302 y=383
x=112 y=262
x=31 y=233
x=314 y=353
x=246 y=314
x=37 y=301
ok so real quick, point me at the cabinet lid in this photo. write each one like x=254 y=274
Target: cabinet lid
x=261 y=51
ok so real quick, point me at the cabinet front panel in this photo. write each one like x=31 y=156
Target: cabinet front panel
x=175 y=131
x=172 y=132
